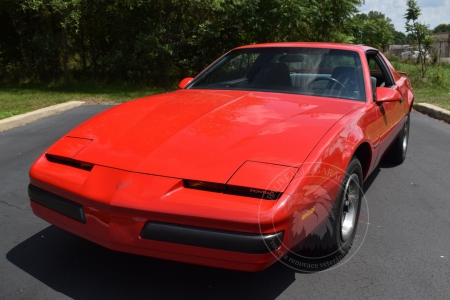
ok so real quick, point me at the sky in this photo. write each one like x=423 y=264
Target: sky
x=433 y=12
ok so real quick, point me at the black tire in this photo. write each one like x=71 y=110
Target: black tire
x=344 y=213
x=397 y=152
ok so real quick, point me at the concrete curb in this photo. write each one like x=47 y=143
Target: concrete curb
x=433 y=111
x=19 y=120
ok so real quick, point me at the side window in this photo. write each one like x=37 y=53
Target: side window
x=373 y=66
x=379 y=71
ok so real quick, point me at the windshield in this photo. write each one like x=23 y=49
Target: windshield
x=310 y=71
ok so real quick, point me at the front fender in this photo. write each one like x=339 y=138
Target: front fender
x=317 y=183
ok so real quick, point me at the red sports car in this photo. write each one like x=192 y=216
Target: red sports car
x=260 y=156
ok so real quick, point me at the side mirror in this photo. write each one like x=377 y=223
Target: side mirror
x=183 y=83
x=387 y=95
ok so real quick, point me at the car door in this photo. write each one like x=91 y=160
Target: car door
x=389 y=114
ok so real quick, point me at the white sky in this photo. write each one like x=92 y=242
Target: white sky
x=433 y=12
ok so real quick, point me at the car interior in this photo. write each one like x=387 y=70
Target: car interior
x=321 y=72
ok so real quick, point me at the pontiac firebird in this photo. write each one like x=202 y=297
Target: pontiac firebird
x=263 y=153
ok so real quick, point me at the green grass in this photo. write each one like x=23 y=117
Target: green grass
x=435 y=97
x=21 y=99
x=434 y=88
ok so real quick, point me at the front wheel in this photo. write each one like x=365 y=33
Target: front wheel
x=342 y=221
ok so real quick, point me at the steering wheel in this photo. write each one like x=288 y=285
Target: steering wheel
x=330 y=79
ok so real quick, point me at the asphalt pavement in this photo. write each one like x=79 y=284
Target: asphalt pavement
x=402 y=250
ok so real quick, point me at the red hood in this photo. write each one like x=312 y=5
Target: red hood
x=207 y=135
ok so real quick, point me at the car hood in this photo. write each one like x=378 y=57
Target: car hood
x=208 y=135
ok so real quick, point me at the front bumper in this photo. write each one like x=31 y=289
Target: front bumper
x=159 y=236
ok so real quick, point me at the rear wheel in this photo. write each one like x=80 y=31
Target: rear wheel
x=397 y=152
x=340 y=228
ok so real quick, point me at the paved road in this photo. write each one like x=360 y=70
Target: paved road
x=404 y=255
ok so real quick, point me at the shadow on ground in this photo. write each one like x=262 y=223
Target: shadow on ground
x=80 y=269
x=370 y=180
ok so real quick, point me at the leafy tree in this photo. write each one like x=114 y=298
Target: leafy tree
x=373 y=29
x=330 y=20
x=400 y=38
x=442 y=28
x=68 y=14
x=152 y=41
x=420 y=33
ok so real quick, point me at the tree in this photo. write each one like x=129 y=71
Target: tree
x=68 y=14
x=400 y=38
x=442 y=28
x=373 y=29
x=330 y=20
x=419 y=32
x=152 y=41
